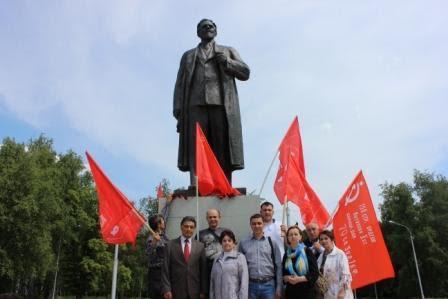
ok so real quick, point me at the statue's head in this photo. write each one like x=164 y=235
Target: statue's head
x=206 y=30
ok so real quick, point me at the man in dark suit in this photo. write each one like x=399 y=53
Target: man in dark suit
x=184 y=272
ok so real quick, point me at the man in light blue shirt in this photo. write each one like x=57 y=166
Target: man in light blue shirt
x=263 y=261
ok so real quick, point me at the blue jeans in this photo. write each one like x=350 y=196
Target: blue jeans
x=265 y=290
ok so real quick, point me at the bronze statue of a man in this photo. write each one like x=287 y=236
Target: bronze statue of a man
x=205 y=92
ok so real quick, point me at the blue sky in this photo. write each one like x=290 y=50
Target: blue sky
x=368 y=80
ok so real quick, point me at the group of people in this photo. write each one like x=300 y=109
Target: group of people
x=273 y=262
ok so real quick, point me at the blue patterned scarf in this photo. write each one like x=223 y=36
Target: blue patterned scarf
x=300 y=268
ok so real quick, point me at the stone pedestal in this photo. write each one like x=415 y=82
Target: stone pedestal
x=235 y=212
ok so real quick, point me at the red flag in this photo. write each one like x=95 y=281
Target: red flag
x=211 y=177
x=311 y=208
x=291 y=182
x=288 y=183
x=119 y=220
x=291 y=145
x=160 y=193
x=357 y=232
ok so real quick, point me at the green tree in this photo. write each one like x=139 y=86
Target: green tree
x=96 y=268
x=46 y=199
x=29 y=200
x=423 y=207
x=49 y=214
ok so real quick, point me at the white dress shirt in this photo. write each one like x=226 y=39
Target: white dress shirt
x=274 y=231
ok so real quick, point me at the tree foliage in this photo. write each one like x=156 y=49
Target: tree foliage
x=423 y=207
x=49 y=221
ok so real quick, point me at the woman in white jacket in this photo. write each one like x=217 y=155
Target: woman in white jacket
x=333 y=264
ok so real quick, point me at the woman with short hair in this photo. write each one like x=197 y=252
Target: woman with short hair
x=229 y=277
x=333 y=264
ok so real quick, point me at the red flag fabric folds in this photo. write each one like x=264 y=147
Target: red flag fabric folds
x=291 y=182
x=291 y=145
x=119 y=220
x=211 y=177
x=311 y=208
x=288 y=183
x=357 y=232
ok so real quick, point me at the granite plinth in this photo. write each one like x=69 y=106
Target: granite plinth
x=191 y=192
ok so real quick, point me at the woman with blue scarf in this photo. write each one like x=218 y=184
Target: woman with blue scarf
x=300 y=270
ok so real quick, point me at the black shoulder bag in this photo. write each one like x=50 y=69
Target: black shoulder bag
x=273 y=260
x=321 y=284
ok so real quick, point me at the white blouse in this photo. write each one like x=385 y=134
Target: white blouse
x=337 y=273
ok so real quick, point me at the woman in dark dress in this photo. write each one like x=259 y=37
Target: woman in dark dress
x=299 y=265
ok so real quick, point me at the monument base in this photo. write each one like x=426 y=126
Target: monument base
x=191 y=192
x=235 y=212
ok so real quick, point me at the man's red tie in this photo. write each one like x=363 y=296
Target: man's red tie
x=186 y=250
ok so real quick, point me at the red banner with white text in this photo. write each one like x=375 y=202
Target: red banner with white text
x=358 y=233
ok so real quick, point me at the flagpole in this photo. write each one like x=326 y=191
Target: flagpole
x=114 y=273
x=285 y=201
x=151 y=231
x=285 y=206
x=267 y=173
x=331 y=216
x=197 y=207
